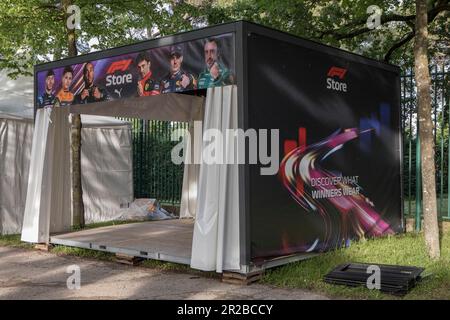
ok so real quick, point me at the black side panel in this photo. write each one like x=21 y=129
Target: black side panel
x=340 y=178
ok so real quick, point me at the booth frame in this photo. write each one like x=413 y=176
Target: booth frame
x=241 y=31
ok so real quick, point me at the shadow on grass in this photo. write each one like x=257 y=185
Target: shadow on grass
x=13 y=240
x=82 y=253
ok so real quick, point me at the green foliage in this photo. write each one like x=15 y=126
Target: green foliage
x=27 y=32
x=34 y=31
x=337 y=23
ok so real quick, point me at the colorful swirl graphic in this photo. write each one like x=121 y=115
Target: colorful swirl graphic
x=345 y=215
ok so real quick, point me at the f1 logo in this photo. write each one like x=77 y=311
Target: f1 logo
x=121 y=65
x=336 y=71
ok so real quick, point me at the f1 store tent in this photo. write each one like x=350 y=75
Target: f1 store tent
x=110 y=135
x=314 y=165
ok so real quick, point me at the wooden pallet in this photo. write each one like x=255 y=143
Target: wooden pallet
x=43 y=246
x=128 y=260
x=241 y=278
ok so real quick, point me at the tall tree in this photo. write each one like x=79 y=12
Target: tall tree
x=33 y=31
x=431 y=227
x=75 y=132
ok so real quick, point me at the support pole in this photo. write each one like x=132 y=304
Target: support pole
x=418 y=183
x=448 y=167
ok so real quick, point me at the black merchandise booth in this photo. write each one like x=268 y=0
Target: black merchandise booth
x=337 y=154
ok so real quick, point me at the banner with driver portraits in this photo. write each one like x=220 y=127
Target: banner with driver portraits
x=181 y=67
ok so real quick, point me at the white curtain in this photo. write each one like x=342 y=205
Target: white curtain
x=47 y=207
x=216 y=230
x=106 y=172
x=35 y=225
x=191 y=172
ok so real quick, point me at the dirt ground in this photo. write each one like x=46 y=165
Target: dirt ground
x=28 y=274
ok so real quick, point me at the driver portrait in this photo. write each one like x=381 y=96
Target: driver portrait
x=90 y=92
x=177 y=79
x=47 y=99
x=65 y=97
x=215 y=73
x=147 y=86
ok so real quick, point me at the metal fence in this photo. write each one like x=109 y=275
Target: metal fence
x=154 y=173
x=440 y=92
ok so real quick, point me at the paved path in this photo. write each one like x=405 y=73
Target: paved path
x=30 y=274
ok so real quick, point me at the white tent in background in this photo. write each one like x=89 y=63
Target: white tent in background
x=102 y=138
x=16 y=96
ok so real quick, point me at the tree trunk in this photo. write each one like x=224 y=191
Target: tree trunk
x=75 y=141
x=422 y=75
x=77 y=191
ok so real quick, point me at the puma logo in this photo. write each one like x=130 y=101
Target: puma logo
x=119 y=92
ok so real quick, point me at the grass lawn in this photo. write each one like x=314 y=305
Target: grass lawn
x=13 y=240
x=406 y=249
